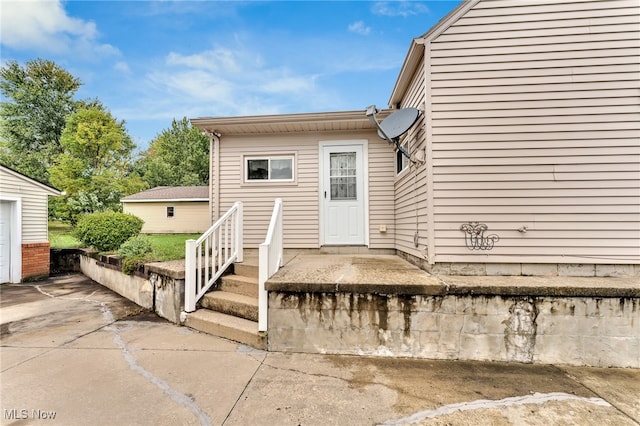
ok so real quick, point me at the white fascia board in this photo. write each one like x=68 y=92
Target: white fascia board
x=165 y=200
x=51 y=190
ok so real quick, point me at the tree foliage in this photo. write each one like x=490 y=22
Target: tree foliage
x=106 y=231
x=178 y=156
x=39 y=99
x=94 y=169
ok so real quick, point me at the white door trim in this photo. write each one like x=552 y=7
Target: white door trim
x=15 y=271
x=364 y=143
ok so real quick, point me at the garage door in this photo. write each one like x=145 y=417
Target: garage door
x=5 y=241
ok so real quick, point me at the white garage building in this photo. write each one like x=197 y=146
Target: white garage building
x=24 y=244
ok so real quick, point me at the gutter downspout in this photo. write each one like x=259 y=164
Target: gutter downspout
x=214 y=175
x=428 y=131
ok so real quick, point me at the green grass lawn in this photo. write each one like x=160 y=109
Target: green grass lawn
x=165 y=246
x=61 y=236
x=170 y=246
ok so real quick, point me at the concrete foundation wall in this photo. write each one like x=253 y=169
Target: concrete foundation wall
x=134 y=288
x=602 y=332
x=159 y=289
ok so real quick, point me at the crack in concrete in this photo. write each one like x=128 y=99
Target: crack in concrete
x=107 y=315
x=176 y=396
x=536 y=398
x=595 y=392
x=244 y=390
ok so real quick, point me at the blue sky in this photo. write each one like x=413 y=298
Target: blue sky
x=152 y=61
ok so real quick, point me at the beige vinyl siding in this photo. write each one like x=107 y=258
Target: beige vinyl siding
x=189 y=216
x=34 y=198
x=382 y=170
x=300 y=198
x=536 y=123
x=411 y=185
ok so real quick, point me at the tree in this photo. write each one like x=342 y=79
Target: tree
x=31 y=123
x=178 y=156
x=94 y=169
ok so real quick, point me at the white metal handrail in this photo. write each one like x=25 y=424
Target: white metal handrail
x=271 y=256
x=210 y=255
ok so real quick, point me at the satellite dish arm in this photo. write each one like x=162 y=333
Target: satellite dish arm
x=371 y=113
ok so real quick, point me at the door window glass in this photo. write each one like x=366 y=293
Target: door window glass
x=342 y=175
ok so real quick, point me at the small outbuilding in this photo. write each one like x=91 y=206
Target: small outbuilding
x=24 y=239
x=170 y=209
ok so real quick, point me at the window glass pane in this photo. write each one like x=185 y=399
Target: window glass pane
x=169 y=211
x=342 y=176
x=282 y=168
x=258 y=169
x=402 y=162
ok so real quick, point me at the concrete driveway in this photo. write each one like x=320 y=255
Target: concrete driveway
x=75 y=353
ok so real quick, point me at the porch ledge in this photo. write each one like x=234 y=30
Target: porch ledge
x=393 y=275
x=172 y=268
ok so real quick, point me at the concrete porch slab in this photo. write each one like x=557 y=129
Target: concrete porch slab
x=353 y=273
x=390 y=274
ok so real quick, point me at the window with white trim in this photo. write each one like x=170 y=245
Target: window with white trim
x=269 y=169
x=401 y=160
x=170 y=211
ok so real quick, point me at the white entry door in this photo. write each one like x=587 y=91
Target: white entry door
x=343 y=194
x=5 y=241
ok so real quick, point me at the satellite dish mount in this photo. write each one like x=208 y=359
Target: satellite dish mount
x=394 y=126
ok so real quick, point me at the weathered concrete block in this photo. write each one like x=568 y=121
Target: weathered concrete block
x=169 y=296
x=285 y=319
x=428 y=303
x=429 y=342
x=482 y=347
x=448 y=305
x=577 y=270
x=503 y=269
x=483 y=324
x=468 y=269
x=539 y=269
x=426 y=321
x=134 y=288
x=550 y=329
x=614 y=270
x=619 y=326
x=559 y=349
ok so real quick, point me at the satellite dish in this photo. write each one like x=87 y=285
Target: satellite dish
x=398 y=123
x=395 y=125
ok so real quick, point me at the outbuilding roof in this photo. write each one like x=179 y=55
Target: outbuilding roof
x=170 y=193
x=288 y=123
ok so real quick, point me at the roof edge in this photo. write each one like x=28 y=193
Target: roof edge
x=210 y=123
x=52 y=190
x=162 y=200
x=416 y=49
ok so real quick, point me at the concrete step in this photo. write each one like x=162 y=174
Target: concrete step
x=229 y=327
x=240 y=285
x=234 y=304
x=248 y=268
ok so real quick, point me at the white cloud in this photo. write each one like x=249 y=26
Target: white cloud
x=399 y=8
x=212 y=60
x=359 y=27
x=123 y=67
x=44 y=25
x=223 y=81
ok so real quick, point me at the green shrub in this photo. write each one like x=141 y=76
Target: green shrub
x=107 y=231
x=130 y=264
x=135 y=246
